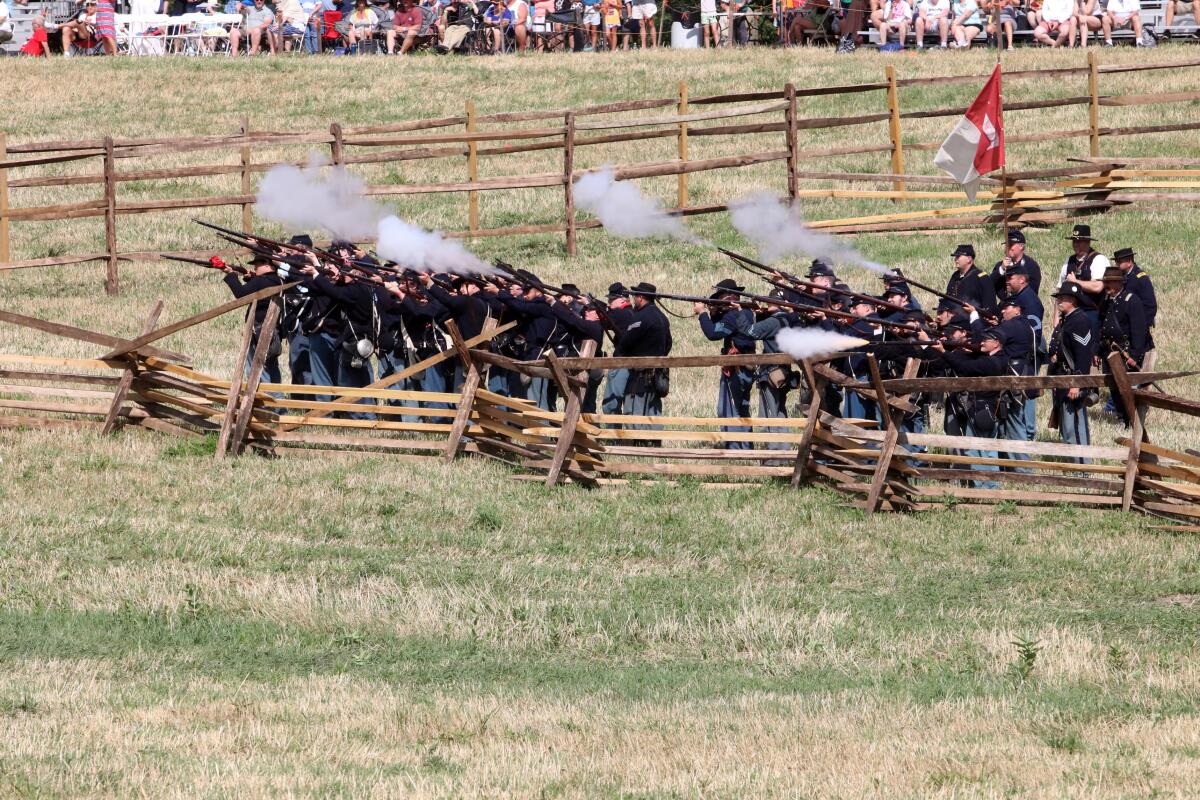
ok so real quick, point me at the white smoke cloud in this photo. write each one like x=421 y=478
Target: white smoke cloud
x=814 y=342
x=304 y=199
x=777 y=230
x=624 y=211
x=425 y=251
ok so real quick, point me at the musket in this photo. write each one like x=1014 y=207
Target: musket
x=746 y=263
x=202 y=263
x=897 y=273
x=510 y=273
x=776 y=301
x=231 y=235
x=708 y=301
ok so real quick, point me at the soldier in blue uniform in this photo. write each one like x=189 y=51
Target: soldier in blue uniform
x=774 y=380
x=855 y=405
x=968 y=284
x=1123 y=328
x=972 y=413
x=262 y=276
x=648 y=334
x=620 y=314
x=728 y=322
x=1137 y=281
x=1015 y=256
x=1072 y=349
x=1020 y=349
x=1020 y=289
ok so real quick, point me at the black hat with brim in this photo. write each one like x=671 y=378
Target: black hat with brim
x=642 y=289
x=302 y=239
x=571 y=289
x=1124 y=254
x=1081 y=232
x=1011 y=300
x=1113 y=274
x=820 y=268
x=1075 y=292
x=617 y=290
x=260 y=259
x=726 y=286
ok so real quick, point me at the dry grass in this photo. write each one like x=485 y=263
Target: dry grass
x=350 y=627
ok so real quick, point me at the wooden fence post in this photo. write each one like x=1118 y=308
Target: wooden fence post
x=571 y=414
x=891 y=437
x=472 y=171
x=5 y=255
x=683 y=145
x=789 y=116
x=1094 y=104
x=111 y=285
x=812 y=417
x=246 y=410
x=473 y=376
x=569 y=178
x=893 y=102
x=1137 y=433
x=247 y=215
x=335 y=147
x=234 y=395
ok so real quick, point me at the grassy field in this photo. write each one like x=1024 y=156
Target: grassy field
x=353 y=627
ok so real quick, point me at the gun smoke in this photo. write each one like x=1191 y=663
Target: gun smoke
x=800 y=343
x=777 y=230
x=624 y=211
x=424 y=251
x=304 y=199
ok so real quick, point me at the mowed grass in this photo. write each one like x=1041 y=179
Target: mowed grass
x=349 y=626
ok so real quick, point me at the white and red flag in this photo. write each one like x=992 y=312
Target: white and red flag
x=976 y=145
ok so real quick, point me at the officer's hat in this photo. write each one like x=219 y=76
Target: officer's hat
x=1016 y=237
x=1124 y=254
x=642 y=289
x=1113 y=274
x=820 y=268
x=302 y=239
x=963 y=250
x=616 y=290
x=1081 y=232
x=724 y=287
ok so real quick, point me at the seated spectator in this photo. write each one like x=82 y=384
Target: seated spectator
x=894 y=17
x=360 y=26
x=1057 y=25
x=259 y=25
x=1008 y=20
x=6 y=25
x=1033 y=16
x=1122 y=14
x=455 y=24
x=81 y=29
x=520 y=22
x=414 y=24
x=292 y=21
x=1088 y=19
x=498 y=20
x=1171 y=7
x=967 y=23
x=933 y=14
x=38 y=45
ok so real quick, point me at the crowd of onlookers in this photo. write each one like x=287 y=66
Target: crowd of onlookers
x=490 y=26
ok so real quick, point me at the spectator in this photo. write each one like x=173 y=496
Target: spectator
x=931 y=14
x=1088 y=19
x=455 y=24
x=592 y=21
x=259 y=23
x=293 y=24
x=1172 y=6
x=498 y=19
x=741 y=28
x=6 y=25
x=361 y=25
x=894 y=16
x=520 y=22
x=1008 y=20
x=1122 y=14
x=82 y=28
x=708 y=22
x=1033 y=15
x=39 y=42
x=643 y=11
x=313 y=9
x=610 y=10
x=1057 y=25
x=416 y=24
x=967 y=23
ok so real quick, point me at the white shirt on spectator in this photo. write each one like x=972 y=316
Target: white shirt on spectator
x=6 y=16
x=934 y=9
x=897 y=10
x=1095 y=273
x=1124 y=8
x=1058 y=10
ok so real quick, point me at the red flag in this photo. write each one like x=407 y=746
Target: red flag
x=976 y=145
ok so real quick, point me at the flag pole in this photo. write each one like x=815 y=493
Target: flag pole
x=1003 y=167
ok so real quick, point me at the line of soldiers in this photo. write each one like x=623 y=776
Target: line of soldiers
x=349 y=307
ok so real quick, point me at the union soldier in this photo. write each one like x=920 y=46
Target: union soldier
x=648 y=334
x=1014 y=256
x=340 y=353
x=1021 y=349
x=1138 y=281
x=1123 y=328
x=1084 y=267
x=464 y=304
x=967 y=283
x=620 y=314
x=733 y=398
x=1072 y=349
x=581 y=323
x=262 y=276
x=1021 y=291
x=774 y=380
x=296 y=304
x=972 y=413
x=535 y=325
x=857 y=406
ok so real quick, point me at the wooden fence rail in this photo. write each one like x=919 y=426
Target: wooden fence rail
x=765 y=112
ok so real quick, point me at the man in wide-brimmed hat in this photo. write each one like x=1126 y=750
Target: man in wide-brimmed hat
x=1084 y=267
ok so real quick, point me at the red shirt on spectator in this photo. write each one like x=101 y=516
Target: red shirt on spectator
x=36 y=44
x=408 y=19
